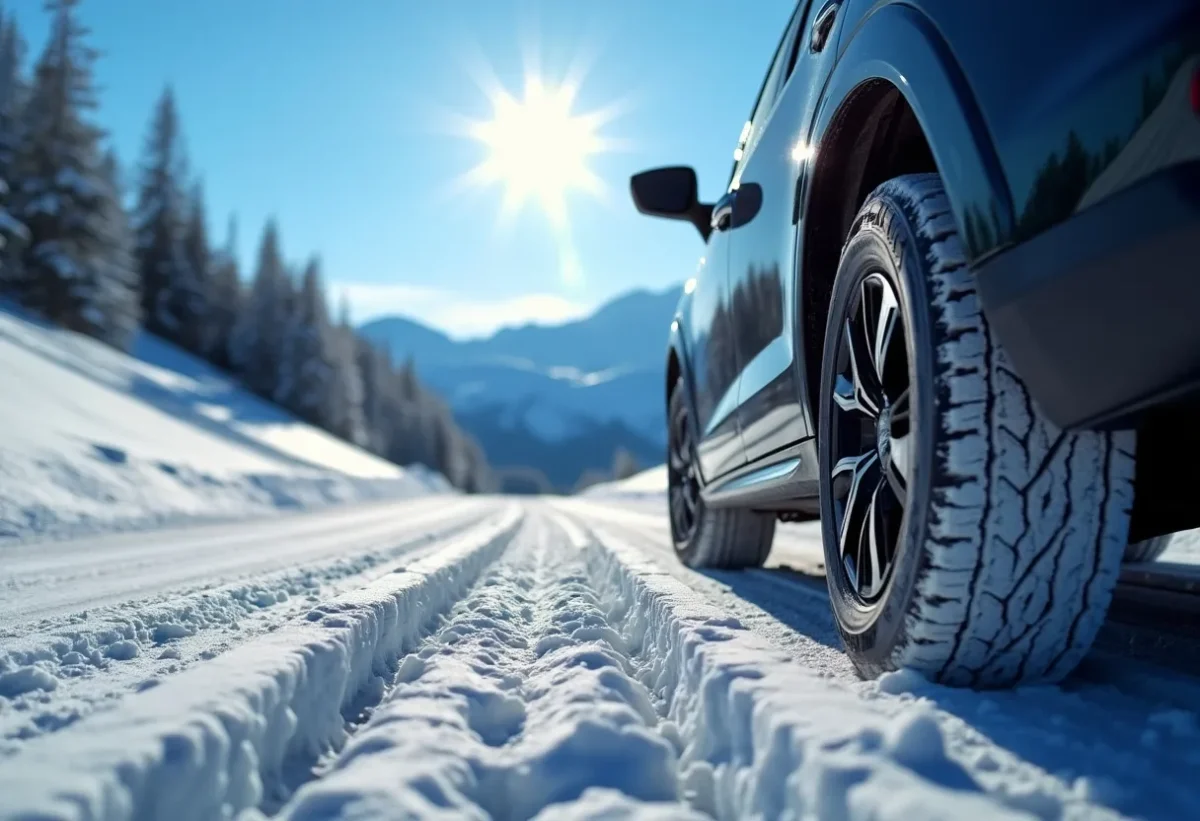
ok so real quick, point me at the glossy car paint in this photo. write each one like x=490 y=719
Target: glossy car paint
x=1021 y=143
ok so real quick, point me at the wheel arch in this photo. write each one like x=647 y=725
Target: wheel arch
x=895 y=103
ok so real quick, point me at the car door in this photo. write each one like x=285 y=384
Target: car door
x=709 y=339
x=710 y=327
x=762 y=255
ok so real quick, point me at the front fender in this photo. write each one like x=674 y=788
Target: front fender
x=897 y=44
x=677 y=346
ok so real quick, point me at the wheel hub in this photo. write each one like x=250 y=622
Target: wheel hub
x=883 y=434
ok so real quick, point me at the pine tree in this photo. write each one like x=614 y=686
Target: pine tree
x=307 y=367
x=347 y=421
x=117 y=305
x=198 y=256
x=224 y=303
x=172 y=300
x=62 y=197
x=257 y=340
x=375 y=366
x=12 y=100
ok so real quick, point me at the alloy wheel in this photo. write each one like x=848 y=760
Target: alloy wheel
x=872 y=437
x=682 y=483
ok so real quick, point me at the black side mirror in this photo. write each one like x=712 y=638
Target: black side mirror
x=671 y=193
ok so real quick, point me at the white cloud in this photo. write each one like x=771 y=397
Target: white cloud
x=457 y=314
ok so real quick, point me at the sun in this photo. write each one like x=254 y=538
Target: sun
x=538 y=148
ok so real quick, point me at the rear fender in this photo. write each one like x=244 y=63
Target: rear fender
x=898 y=45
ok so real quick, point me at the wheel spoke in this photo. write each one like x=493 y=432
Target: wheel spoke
x=883 y=314
x=899 y=466
x=862 y=391
x=860 y=471
x=900 y=451
x=874 y=547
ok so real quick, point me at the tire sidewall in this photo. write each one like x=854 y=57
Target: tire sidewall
x=883 y=241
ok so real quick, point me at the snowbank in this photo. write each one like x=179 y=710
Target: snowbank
x=93 y=439
x=648 y=484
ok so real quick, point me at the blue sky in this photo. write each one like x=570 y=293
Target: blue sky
x=336 y=116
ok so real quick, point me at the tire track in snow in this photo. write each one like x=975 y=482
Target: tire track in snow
x=777 y=603
x=219 y=737
x=523 y=705
x=71 y=667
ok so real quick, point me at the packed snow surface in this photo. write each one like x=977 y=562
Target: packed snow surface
x=92 y=439
x=538 y=660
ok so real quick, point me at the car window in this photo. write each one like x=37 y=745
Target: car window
x=781 y=67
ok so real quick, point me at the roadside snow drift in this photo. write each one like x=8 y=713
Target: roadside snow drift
x=93 y=439
x=649 y=484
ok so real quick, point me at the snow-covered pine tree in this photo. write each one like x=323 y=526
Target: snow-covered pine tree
x=225 y=296
x=62 y=198
x=347 y=419
x=257 y=341
x=376 y=368
x=117 y=302
x=172 y=300
x=198 y=255
x=12 y=100
x=307 y=367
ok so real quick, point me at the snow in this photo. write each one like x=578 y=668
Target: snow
x=171 y=598
x=224 y=734
x=649 y=483
x=553 y=661
x=93 y=439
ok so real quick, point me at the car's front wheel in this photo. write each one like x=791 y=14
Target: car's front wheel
x=965 y=536
x=704 y=536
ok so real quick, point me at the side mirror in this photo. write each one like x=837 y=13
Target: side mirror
x=671 y=193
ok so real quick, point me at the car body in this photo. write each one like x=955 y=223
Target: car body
x=1066 y=139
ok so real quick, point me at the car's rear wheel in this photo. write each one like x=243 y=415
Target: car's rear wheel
x=965 y=536
x=703 y=536
x=1147 y=550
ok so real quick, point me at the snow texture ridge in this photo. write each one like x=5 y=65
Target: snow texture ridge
x=524 y=705
x=221 y=737
x=63 y=668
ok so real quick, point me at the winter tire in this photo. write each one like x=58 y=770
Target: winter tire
x=703 y=536
x=965 y=536
x=1148 y=550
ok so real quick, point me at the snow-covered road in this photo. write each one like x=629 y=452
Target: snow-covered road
x=492 y=658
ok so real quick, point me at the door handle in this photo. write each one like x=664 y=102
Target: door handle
x=722 y=215
x=823 y=26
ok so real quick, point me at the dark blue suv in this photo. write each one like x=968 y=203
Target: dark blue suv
x=948 y=306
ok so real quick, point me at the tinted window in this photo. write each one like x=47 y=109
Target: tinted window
x=781 y=67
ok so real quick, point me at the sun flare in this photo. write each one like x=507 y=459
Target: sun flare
x=538 y=149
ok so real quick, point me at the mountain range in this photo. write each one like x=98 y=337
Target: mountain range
x=558 y=399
